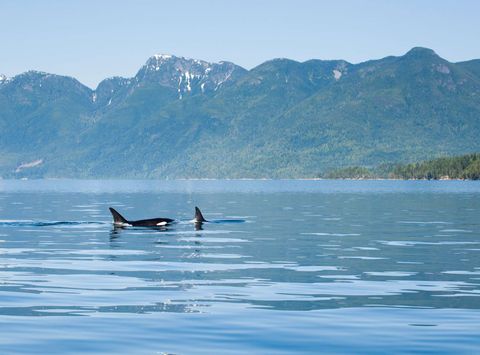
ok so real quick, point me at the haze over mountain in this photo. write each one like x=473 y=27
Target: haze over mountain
x=187 y=118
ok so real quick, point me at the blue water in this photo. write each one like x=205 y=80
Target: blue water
x=315 y=266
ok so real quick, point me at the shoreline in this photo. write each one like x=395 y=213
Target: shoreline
x=226 y=179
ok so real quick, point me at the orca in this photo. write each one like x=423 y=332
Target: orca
x=120 y=221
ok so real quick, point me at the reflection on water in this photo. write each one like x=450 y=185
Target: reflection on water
x=403 y=257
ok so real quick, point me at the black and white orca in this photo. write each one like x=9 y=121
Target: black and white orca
x=120 y=221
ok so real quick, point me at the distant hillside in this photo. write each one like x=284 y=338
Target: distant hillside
x=187 y=118
x=461 y=167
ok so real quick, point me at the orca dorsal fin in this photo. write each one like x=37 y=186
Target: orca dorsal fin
x=198 y=216
x=117 y=217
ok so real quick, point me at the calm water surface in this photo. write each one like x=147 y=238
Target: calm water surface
x=316 y=266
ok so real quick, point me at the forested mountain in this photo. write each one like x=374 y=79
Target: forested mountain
x=180 y=118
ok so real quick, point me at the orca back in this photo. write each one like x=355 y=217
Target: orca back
x=153 y=222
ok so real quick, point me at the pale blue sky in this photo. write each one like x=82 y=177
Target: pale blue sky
x=92 y=40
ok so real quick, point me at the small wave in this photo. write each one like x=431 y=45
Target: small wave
x=221 y=221
x=332 y=234
x=214 y=221
x=424 y=222
x=404 y=243
x=29 y=223
x=456 y=231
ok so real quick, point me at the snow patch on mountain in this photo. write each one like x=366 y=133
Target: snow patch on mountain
x=31 y=164
x=337 y=74
x=162 y=56
x=442 y=68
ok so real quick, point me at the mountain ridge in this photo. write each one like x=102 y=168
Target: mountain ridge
x=182 y=117
x=159 y=55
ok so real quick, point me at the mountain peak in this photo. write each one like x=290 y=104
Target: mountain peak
x=421 y=52
x=3 y=78
x=186 y=75
x=162 y=56
x=158 y=59
x=35 y=73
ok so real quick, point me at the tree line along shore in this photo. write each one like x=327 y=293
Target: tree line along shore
x=465 y=167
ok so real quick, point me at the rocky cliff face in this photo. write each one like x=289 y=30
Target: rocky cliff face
x=187 y=76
